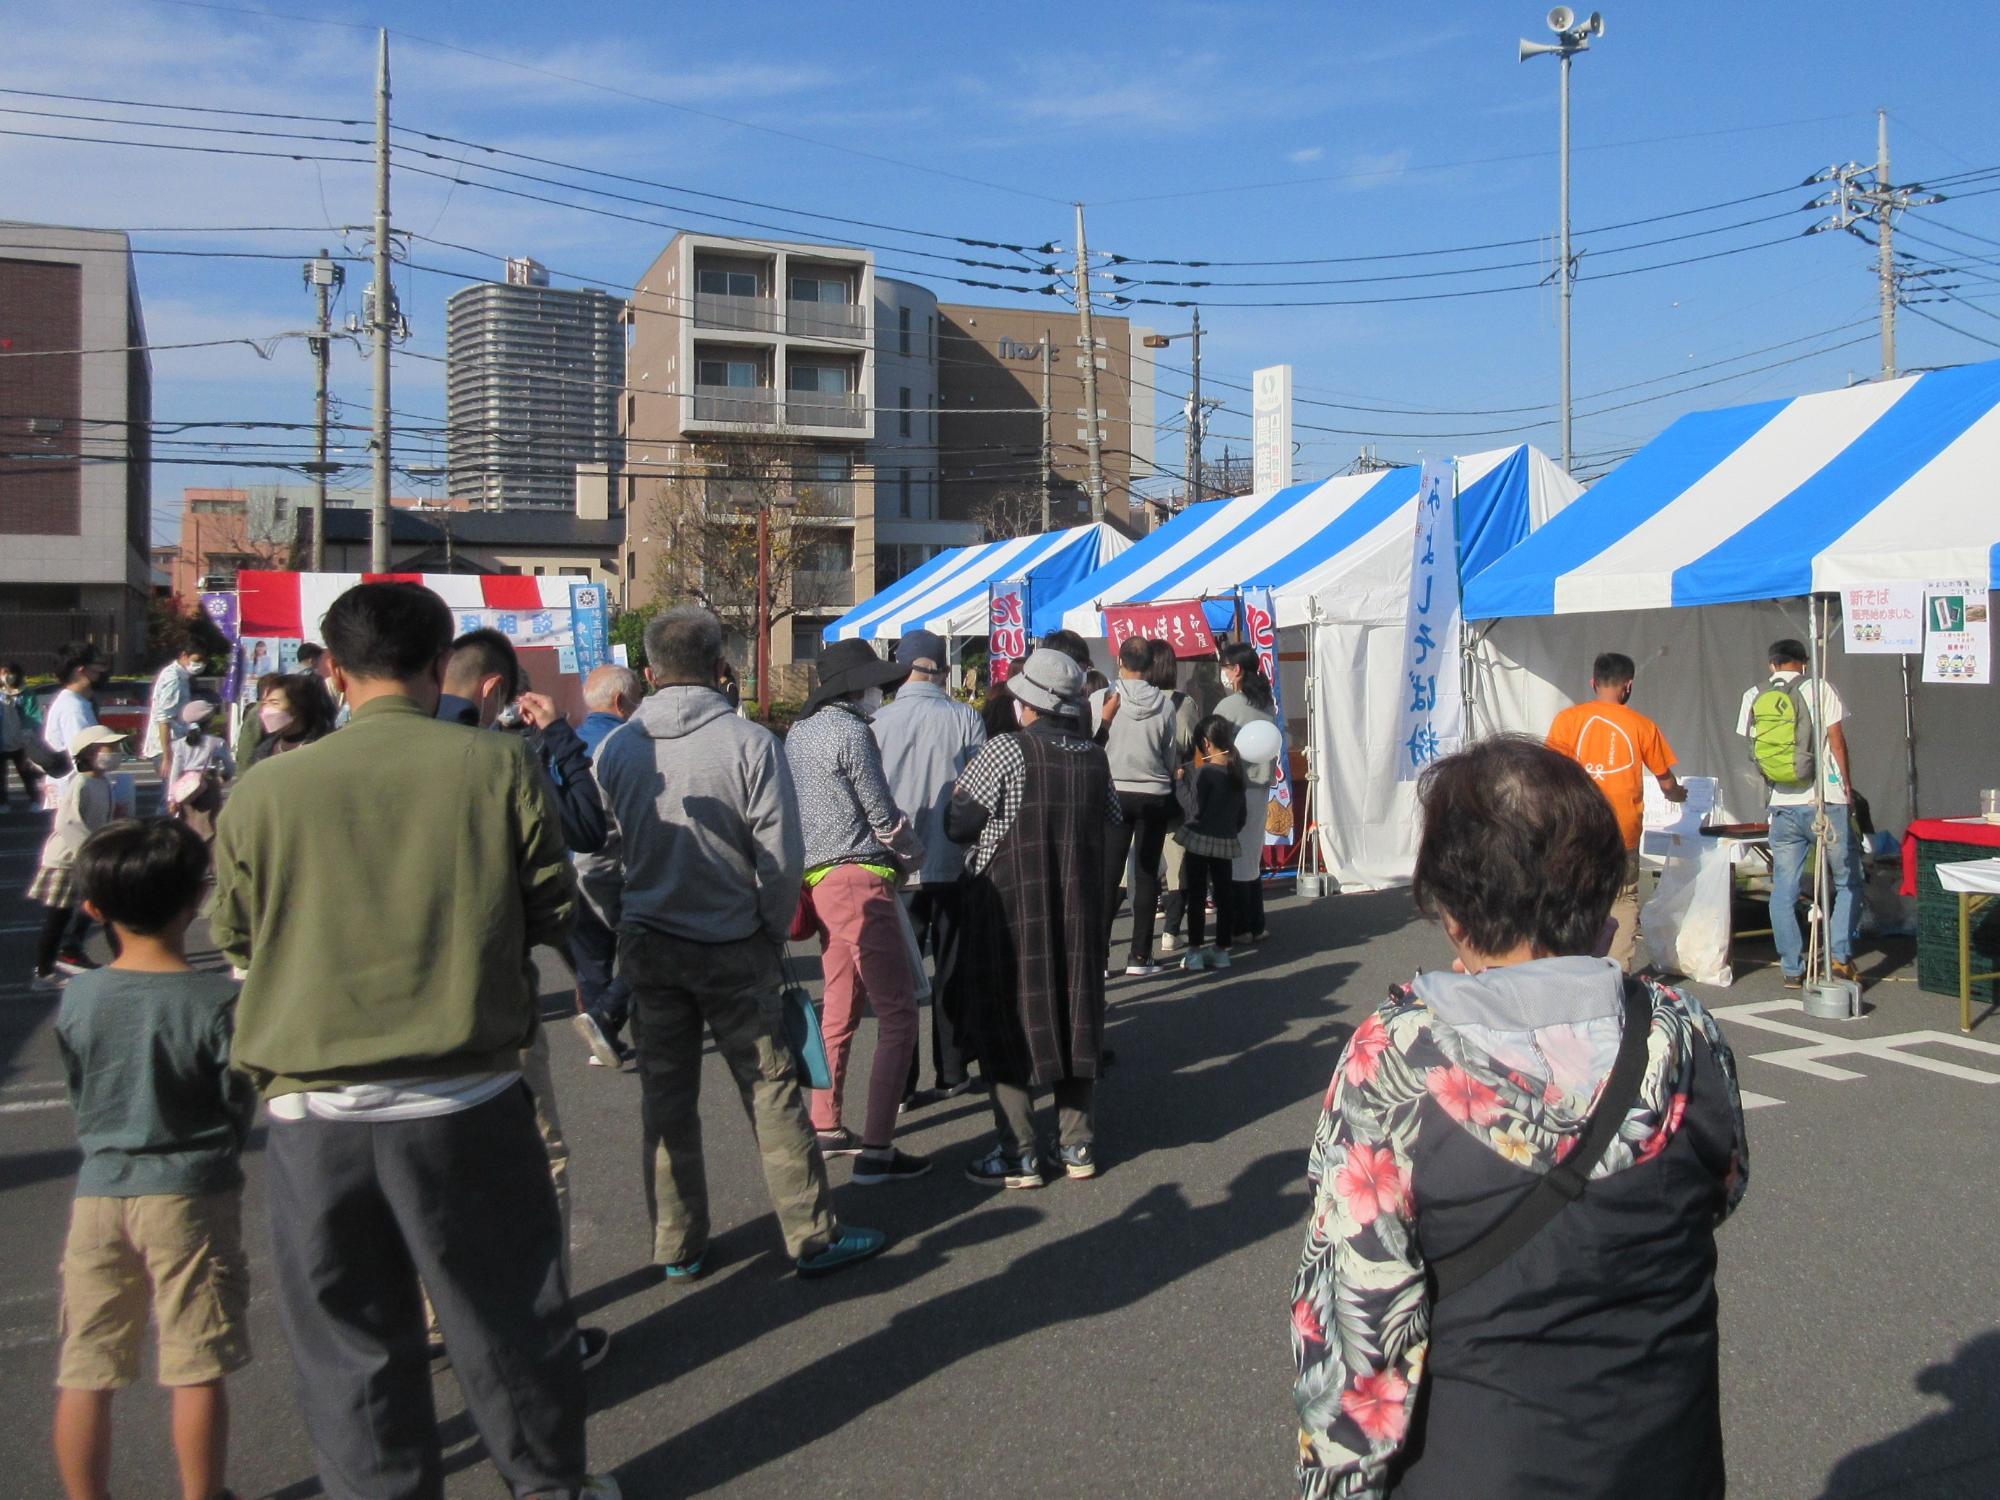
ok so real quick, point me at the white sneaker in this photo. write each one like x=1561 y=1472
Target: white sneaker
x=1168 y=942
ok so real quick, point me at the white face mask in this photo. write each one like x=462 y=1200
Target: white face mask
x=109 y=759
x=1018 y=707
x=871 y=699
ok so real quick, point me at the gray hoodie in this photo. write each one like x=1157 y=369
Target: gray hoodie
x=710 y=825
x=1147 y=739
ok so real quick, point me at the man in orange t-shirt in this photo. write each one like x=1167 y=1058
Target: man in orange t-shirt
x=1618 y=746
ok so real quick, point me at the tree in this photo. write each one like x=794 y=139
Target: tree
x=1010 y=511
x=628 y=629
x=708 y=524
x=169 y=629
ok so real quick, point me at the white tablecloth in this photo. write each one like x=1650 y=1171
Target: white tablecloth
x=1979 y=876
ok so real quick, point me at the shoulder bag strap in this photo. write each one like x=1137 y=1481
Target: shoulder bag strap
x=1563 y=1184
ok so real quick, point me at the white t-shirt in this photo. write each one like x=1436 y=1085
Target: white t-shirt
x=394 y=1099
x=1817 y=697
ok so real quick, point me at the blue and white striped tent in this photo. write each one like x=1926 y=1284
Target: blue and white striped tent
x=948 y=593
x=1344 y=542
x=1894 y=481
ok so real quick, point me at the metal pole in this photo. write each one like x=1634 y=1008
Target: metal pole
x=1910 y=735
x=378 y=552
x=1094 y=435
x=1884 y=212
x=1568 y=453
x=322 y=348
x=763 y=611
x=1194 y=418
x=1048 y=436
x=1820 y=949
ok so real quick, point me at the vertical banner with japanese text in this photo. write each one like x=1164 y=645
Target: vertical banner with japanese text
x=1007 y=626
x=220 y=608
x=1433 y=720
x=1260 y=629
x=589 y=627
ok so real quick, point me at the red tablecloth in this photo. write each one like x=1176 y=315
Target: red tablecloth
x=1944 y=830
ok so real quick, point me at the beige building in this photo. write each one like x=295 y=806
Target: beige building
x=990 y=430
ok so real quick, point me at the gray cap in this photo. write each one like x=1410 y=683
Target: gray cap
x=1050 y=682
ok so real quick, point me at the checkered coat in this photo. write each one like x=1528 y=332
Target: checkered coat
x=1030 y=980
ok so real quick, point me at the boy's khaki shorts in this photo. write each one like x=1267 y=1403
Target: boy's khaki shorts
x=182 y=1258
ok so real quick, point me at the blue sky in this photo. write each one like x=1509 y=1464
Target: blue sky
x=1240 y=131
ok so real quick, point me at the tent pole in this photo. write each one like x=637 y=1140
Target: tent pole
x=1910 y=736
x=1820 y=951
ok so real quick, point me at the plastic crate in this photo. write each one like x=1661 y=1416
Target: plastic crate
x=1937 y=926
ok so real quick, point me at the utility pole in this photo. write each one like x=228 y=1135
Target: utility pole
x=1048 y=358
x=382 y=318
x=1886 y=265
x=323 y=275
x=1094 y=433
x=1194 y=418
x=1867 y=193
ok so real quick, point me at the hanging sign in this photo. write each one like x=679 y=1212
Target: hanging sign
x=1007 y=626
x=1957 y=634
x=1433 y=719
x=589 y=626
x=220 y=608
x=1271 y=428
x=1882 y=619
x=1260 y=629
x=1182 y=624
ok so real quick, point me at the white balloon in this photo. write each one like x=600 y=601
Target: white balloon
x=1259 y=741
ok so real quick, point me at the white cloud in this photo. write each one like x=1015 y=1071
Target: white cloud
x=1305 y=154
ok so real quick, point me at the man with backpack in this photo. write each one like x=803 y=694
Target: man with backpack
x=1783 y=718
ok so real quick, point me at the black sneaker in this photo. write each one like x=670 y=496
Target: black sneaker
x=594 y=1344
x=840 y=1142
x=1792 y=981
x=1144 y=968
x=897 y=1166
x=997 y=1169
x=923 y=1098
x=1078 y=1162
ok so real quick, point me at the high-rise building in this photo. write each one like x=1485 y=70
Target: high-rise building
x=76 y=409
x=532 y=385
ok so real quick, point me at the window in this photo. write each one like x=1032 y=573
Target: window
x=827 y=380
x=726 y=283
x=805 y=641
x=827 y=554
x=902 y=330
x=820 y=289
x=905 y=497
x=736 y=372
x=903 y=416
x=574 y=572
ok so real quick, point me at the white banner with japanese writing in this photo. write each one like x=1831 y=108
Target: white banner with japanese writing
x=1433 y=722
x=1957 y=634
x=1885 y=619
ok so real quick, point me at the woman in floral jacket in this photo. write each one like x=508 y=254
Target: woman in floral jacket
x=1584 y=1362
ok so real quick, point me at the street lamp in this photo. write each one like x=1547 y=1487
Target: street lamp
x=1572 y=37
x=1194 y=412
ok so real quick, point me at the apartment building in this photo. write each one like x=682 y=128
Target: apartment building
x=533 y=374
x=75 y=445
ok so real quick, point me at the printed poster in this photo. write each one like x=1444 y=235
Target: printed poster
x=1883 y=619
x=1433 y=719
x=1957 y=634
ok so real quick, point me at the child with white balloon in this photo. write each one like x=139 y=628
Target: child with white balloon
x=1213 y=797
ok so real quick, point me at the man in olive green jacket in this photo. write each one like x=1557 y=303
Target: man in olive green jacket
x=382 y=888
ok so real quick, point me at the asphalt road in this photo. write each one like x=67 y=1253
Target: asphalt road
x=1127 y=1336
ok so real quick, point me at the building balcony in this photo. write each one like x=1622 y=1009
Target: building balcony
x=815 y=591
x=745 y=314
x=750 y=405
x=824 y=409
x=826 y=320
x=829 y=500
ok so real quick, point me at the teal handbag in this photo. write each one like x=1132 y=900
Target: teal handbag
x=802 y=1031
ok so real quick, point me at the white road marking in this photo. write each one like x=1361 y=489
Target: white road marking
x=1758 y=1101
x=25 y=1106
x=1811 y=1059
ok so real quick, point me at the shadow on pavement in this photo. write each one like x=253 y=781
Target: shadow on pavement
x=1954 y=1455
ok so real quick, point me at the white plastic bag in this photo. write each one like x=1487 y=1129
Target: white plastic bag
x=1686 y=921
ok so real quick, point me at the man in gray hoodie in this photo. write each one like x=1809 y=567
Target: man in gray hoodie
x=1146 y=741
x=713 y=855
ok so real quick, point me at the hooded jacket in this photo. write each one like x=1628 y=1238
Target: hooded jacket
x=706 y=817
x=1145 y=741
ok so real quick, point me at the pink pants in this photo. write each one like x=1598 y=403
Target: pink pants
x=866 y=962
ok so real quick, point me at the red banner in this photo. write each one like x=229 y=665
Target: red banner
x=1183 y=624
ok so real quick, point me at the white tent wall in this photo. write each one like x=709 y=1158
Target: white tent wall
x=1367 y=818
x=1693 y=667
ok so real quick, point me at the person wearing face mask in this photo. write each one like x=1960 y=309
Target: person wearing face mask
x=171 y=691
x=858 y=848
x=1249 y=700
x=83 y=807
x=71 y=711
x=295 y=711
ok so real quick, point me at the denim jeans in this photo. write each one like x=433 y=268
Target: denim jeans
x=1791 y=849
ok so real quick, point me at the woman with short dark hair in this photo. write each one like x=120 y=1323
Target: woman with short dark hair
x=295 y=711
x=1508 y=1285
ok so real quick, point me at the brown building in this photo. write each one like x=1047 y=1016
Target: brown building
x=990 y=427
x=75 y=444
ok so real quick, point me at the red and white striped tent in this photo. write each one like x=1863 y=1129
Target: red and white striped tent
x=529 y=609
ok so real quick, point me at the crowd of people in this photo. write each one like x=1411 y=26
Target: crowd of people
x=1542 y=1138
